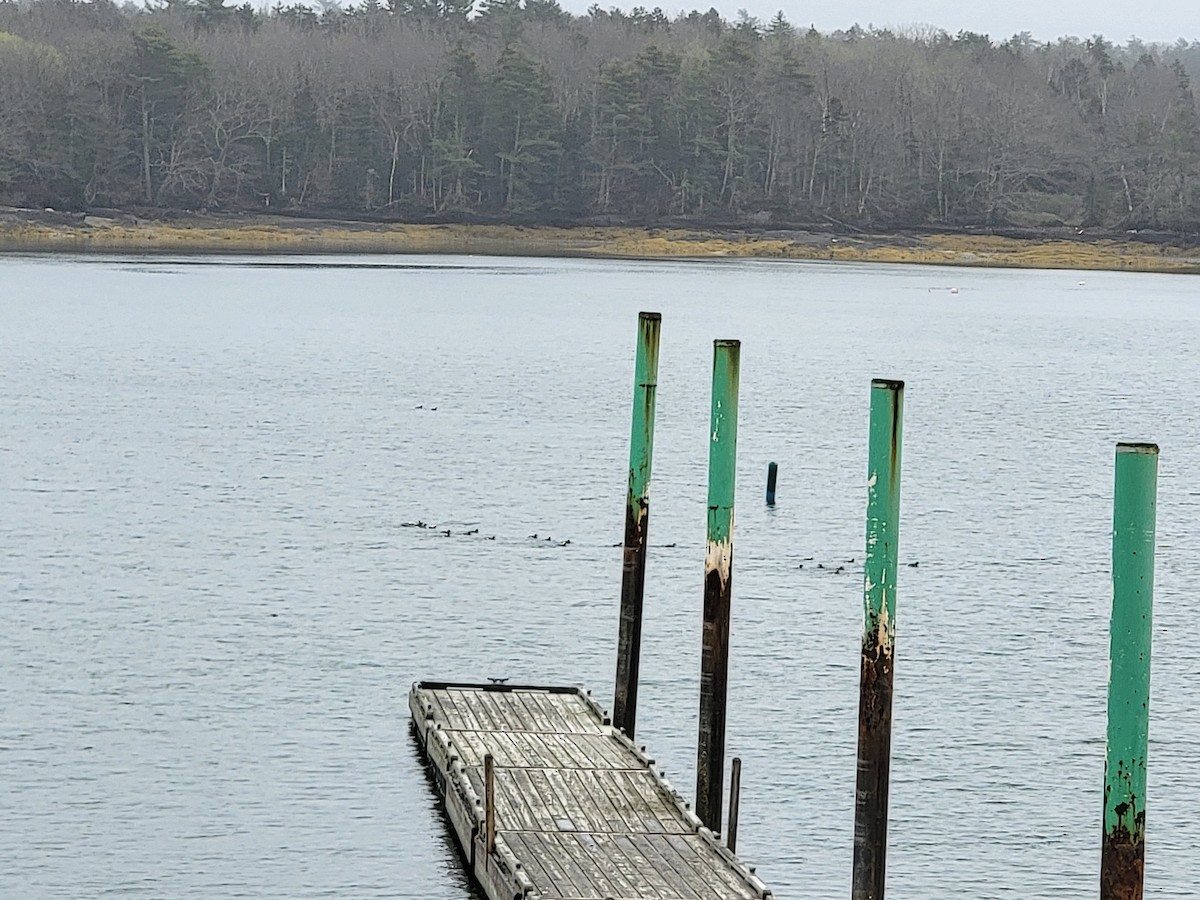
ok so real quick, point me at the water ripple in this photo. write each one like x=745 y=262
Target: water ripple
x=212 y=610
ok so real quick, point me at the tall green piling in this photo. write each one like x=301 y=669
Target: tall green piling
x=1122 y=859
x=879 y=602
x=718 y=582
x=637 y=522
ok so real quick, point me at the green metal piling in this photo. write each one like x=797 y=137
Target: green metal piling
x=879 y=601
x=637 y=522
x=1122 y=859
x=718 y=578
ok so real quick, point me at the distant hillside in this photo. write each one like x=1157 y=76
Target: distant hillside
x=521 y=112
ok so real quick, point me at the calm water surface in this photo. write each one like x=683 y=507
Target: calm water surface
x=210 y=611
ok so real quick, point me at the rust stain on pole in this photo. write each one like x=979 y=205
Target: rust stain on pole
x=1122 y=866
x=637 y=523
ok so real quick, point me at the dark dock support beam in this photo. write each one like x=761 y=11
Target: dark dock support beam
x=735 y=803
x=637 y=522
x=718 y=582
x=879 y=601
x=1122 y=858
x=489 y=803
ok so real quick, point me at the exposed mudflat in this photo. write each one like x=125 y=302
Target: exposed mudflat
x=48 y=230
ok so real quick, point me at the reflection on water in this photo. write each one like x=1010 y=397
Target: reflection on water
x=212 y=610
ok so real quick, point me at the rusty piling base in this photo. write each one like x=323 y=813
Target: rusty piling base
x=629 y=636
x=874 y=766
x=714 y=682
x=1122 y=866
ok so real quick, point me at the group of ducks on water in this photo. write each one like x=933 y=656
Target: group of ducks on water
x=534 y=537
x=442 y=531
x=446 y=532
x=842 y=568
x=838 y=571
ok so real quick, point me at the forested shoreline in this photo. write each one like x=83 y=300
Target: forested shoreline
x=518 y=111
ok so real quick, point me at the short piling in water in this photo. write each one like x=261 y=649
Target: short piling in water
x=772 y=476
x=735 y=802
x=718 y=577
x=879 y=600
x=1122 y=858
x=637 y=521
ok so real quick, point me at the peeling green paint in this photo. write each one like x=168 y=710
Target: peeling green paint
x=883 y=513
x=722 y=448
x=645 y=387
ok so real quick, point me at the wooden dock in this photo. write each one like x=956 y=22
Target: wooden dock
x=580 y=813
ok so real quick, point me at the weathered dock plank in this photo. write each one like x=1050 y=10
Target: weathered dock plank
x=581 y=813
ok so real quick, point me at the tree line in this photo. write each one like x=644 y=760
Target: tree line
x=517 y=110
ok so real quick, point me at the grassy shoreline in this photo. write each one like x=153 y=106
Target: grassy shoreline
x=35 y=232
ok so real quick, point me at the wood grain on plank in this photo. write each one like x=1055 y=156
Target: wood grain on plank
x=454 y=719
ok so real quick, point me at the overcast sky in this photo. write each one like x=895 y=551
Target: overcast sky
x=1117 y=20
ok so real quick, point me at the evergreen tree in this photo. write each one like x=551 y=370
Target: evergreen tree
x=519 y=129
x=161 y=74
